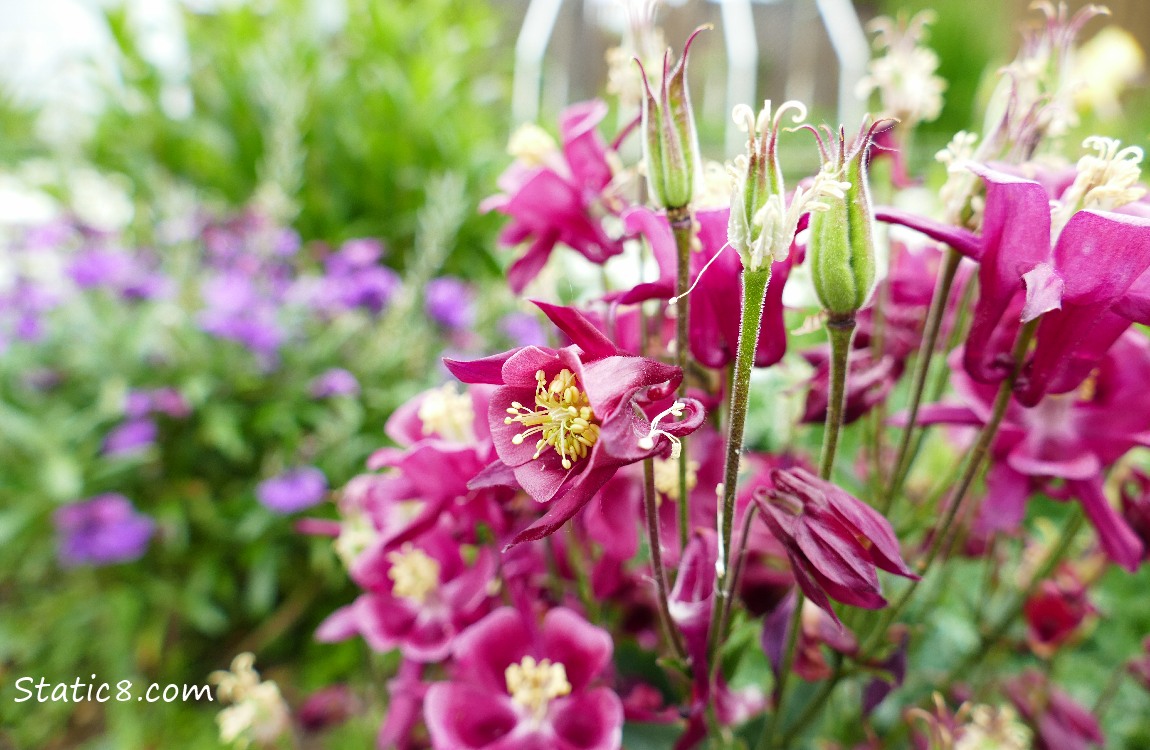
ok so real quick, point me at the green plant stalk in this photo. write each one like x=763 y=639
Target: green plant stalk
x=683 y=227
x=993 y=636
x=649 y=503
x=905 y=457
x=971 y=467
x=840 y=332
x=816 y=703
x=754 y=298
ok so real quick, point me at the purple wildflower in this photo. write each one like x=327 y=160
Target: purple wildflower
x=130 y=437
x=334 y=382
x=450 y=303
x=292 y=491
x=102 y=530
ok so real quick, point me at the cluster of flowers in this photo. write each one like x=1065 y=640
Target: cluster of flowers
x=522 y=526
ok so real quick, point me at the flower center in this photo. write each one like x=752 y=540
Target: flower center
x=448 y=413
x=562 y=418
x=414 y=573
x=535 y=684
x=667 y=476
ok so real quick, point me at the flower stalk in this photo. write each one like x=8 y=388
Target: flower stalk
x=683 y=227
x=840 y=331
x=651 y=508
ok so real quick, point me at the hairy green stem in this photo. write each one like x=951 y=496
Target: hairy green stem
x=683 y=227
x=651 y=506
x=934 y=318
x=754 y=297
x=840 y=332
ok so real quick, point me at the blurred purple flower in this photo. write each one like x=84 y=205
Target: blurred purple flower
x=102 y=530
x=354 y=255
x=128 y=275
x=523 y=329
x=334 y=382
x=130 y=437
x=294 y=490
x=450 y=302
x=140 y=403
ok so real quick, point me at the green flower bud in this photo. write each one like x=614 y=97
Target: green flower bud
x=842 y=237
x=670 y=141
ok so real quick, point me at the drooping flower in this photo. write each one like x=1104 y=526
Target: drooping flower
x=517 y=687
x=834 y=540
x=1071 y=437
x=1055 y=613
x=102 y=530
x=564 y=421
x=294 y=490
x=555 y=198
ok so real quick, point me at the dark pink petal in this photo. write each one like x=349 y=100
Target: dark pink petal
x=467 y=717
x=1101 y=254
x=583 y=649
x=580 y=330
x=962 y=240
x=487 y=370
x=692 y=597
x=338 y=626
x=654 y=227
x=839 y=563
x=530 y=264
x=612 y=519
x=1118 y=540
x=941 y=414
x=591 y=720
x=485 y=650
x=495 y=474
x=577 y=494
x=1005 y=503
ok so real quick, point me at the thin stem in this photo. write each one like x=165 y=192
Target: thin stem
x=683 y=227
x=754 y=297
x=840 y=333
x=934 y=319
x=816 y=703
x=766 y=739
x=971 y=467
x=1110 y=691
x=649 y=502
x=725 y=621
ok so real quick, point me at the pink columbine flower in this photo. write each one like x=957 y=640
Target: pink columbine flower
x=516 y=687
x=564 y=421
x=1056 y=612
x=555 y=199
x=1072 y=437
x=419 y=597
x=1085 y=272
x=834 y=540
x=1059 y=722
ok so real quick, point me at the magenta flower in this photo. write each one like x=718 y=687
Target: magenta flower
x=1059 y=722
x=102 y=530
x=1071 y=437
x=516 y=687
x=293 y=490
x=833 y=540
x=564 y=421
x=1056 y=612
x=334 y=382
x=715 y=300
x=450 y=302
x=1087 y=289
x=561 y=200
x=130 y=437
x=420 y=595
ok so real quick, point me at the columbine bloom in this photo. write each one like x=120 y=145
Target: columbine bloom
x=564 y=421
x=553 y=198
x=516 y=687
x=102 y=530
x=420 y=595
x=834 y=541
x=294 y=490
x=1069 y=437
x=1081 y=267
x=1056 y=612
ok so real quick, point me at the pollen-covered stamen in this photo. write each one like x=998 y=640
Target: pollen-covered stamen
x=533 y=685
x=562 y=417
x=667 y=476
x=1106 y=180
x=414 y=573
x=647 y=442
x=448 y=413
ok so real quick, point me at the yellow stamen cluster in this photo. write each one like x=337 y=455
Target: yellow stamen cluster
x=667 y=476
x=414 y=573
x=562 y=418
x=448 y=413
x=535 y=684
